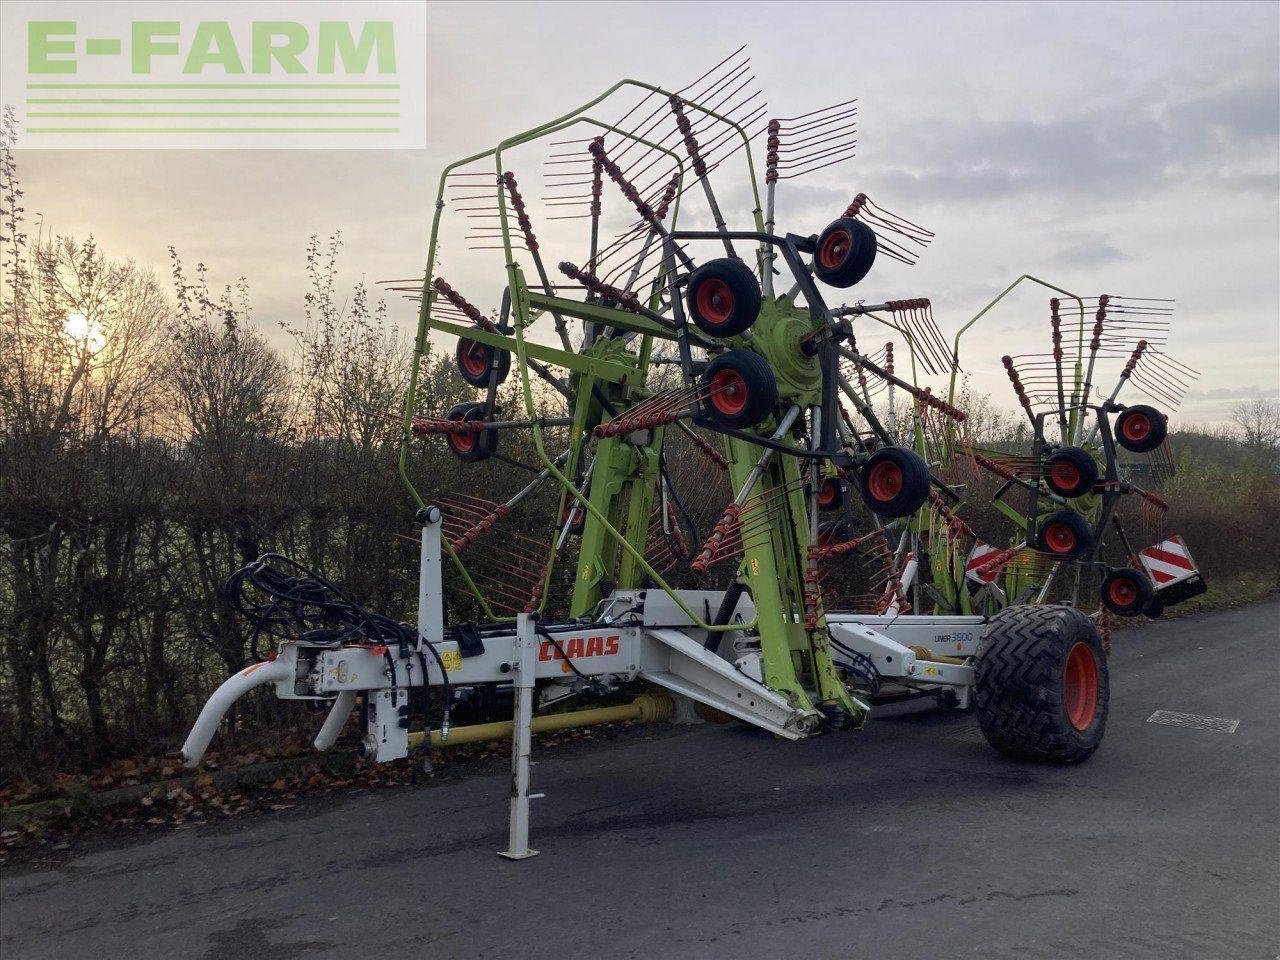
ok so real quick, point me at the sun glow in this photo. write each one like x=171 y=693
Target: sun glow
x=84 y=332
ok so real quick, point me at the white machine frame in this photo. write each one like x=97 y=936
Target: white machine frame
x=638 y=634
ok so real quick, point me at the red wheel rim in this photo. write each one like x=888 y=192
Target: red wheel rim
x=462 y=442
x=1122 y=592
x=1064 y=475
x=728 y=392
x=885 y=481
x=715 y=301
x=1080 y=686
x=1059 y=538
x=474 y=358
x=1136 y=427
x=827 y=493
x=835 y=248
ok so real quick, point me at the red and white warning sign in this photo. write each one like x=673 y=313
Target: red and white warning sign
x=1168 y=562
x=980 y=554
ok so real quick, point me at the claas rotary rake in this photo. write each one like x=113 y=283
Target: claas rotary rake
x=747 y=498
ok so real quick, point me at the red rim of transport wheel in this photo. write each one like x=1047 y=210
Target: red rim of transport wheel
x=1059 y=538
x=728 y=392
x=715 y=301
x=475 y=359
x=835 y=249
x=462 y=442
x=1136 y=427
x=1065 y=475
x=1080 y=686
x=885 y=481
x=1122 y=592
x=827 y=492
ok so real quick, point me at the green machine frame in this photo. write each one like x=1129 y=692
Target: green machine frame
x=617 y=499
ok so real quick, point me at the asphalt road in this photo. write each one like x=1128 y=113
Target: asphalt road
x=911 y=839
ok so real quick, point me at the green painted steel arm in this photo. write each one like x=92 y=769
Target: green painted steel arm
x=955 y=347
x=428 y=294
x=577 y=362
x=622 y=319
x=520 y=307
x=520 y=294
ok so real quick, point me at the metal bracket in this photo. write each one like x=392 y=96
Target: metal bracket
x=670 y=658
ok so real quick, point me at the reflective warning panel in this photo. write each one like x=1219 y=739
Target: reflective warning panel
x=1172 y=571
x=1168 y=561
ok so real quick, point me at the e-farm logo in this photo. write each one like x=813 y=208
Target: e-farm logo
x=235 y=74
x=275 y=45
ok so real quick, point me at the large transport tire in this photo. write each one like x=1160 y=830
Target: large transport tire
x=1042 y=690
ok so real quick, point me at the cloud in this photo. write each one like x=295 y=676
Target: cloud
x=1087 y=249
x=1123 y=147
x=1119 y=147
x=1234 y=393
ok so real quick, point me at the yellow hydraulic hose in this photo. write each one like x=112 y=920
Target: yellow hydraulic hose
x=924 y=654
x=648 y=708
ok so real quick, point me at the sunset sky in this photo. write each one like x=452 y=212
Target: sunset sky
x=1128 y=149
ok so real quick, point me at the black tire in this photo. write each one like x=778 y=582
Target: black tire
x=832 y=532
x=723 y=297
x=831 y=494
x=471 y=447
x=845 y=252
x=741 y=389
x=894 y=482
x=1070 y=472
x=1066 y=535
x=1127 y=592
x=1155 y=609
x=1140 y=428
x=475 y=361
x=1042 y=690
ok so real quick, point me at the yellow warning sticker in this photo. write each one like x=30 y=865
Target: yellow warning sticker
x=452 y=660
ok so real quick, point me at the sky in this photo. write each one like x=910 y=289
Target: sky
x=1131 y=149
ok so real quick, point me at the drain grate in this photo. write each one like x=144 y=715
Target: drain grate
x=1174 y=719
